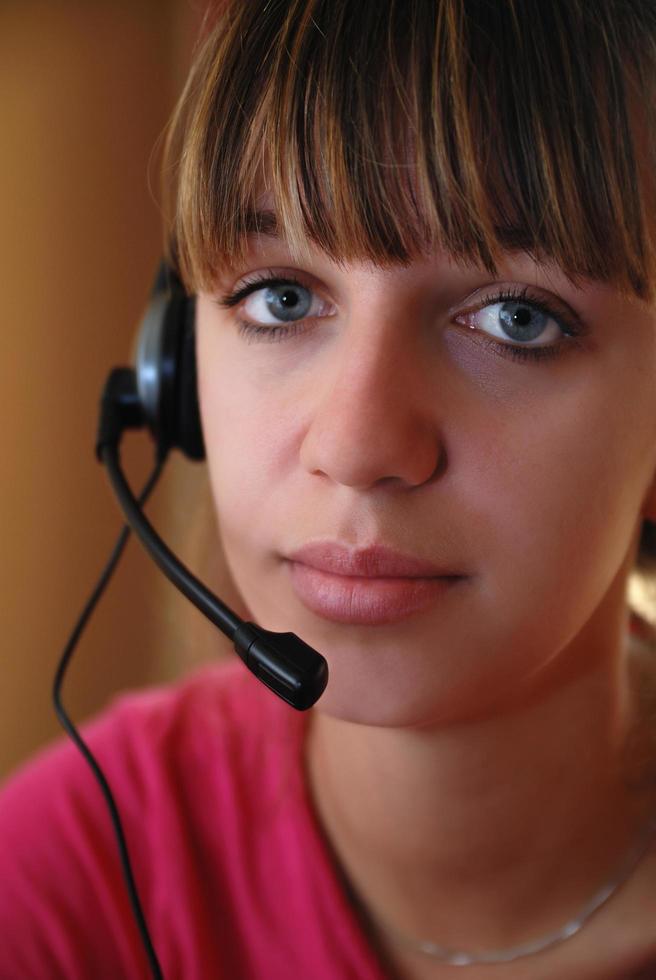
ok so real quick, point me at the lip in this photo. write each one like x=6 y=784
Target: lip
x=370 y=586
x=377 y=561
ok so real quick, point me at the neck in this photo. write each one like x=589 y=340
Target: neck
x=461 y=833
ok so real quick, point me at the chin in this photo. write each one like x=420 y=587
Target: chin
x=371 y=695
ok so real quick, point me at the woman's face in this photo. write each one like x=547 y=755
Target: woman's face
x=402 y=410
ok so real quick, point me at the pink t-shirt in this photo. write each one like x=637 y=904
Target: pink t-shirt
x=234 y=875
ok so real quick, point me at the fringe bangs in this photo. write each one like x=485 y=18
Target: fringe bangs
x=386 y=131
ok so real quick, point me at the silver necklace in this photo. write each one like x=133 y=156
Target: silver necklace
x=454 y=957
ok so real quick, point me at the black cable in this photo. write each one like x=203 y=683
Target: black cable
x=210 y=605
x=70 y=728
x=282 y=661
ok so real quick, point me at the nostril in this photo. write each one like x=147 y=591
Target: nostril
x=359 y=454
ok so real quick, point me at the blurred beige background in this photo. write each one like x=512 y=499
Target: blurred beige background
x=85 y=91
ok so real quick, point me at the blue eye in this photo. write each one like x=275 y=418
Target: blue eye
x=512 y=321
x=287 y=302
x=522 y=322
x=275 y=306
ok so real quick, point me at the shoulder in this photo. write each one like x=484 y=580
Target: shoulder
x=146 y=737
x=193 y=766
x=215 y=731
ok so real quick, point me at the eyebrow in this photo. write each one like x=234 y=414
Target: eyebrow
x=512 y=238
x=262 y=223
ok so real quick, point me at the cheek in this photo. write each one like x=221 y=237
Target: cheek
x=249 y=448
x=559 y=495
x=250 y=442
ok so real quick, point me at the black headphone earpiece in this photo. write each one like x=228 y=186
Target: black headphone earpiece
x=165 y=367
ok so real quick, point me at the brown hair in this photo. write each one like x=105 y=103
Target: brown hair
x=388 y=129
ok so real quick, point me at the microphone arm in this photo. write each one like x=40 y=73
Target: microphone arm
x=289 y=667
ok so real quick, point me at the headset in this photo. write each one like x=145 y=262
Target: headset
x=159 y=393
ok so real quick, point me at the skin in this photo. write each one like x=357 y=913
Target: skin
x=492 y=723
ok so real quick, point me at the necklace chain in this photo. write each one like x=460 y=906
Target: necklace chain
x=454 y=957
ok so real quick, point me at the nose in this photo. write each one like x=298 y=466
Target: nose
x=374 y=419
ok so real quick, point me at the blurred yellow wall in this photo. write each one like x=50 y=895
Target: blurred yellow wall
x=85 y=90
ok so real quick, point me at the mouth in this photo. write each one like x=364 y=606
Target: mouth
x=372 y=586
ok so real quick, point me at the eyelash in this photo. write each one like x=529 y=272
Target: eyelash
x=568 y=325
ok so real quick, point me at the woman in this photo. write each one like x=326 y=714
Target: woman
x=421 y=239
